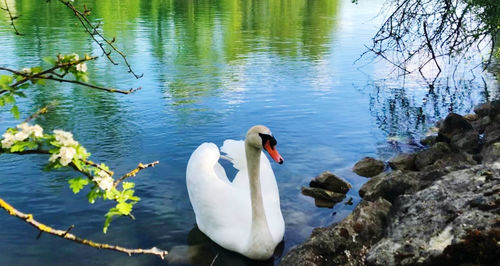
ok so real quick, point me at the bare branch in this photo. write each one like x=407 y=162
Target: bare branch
x=11 y=17
x=135 y=171
x=28 y=218
x=50 y=74
x=41 y=111
x=93 y=31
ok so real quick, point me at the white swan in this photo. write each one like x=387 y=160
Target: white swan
x=243 y=215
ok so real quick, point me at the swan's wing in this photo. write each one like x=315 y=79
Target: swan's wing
x=235 y=150
x=215 y=200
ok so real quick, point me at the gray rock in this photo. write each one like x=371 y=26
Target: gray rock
x=330 y=182
x=482 y=110
x=427 y=226
x=491 y=153
x=467 y=141
x=492 y=133
x=471 y=117
x=429 y=140
x=323 y=194
x=481 y=124
x=452 y=125
x=368 y=167
x=431 y=155
x=494 y=109
x=345 y=243
x=403 y=162
x=387 y=185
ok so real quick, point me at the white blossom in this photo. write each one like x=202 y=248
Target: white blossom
x=25 y=132
x=65 y=138
x=82 y=67
x=75 y=56
x=8 y=140
x=65 y=155
x=103 y=180
x=21 y=135
x=37 y=131
x=26 y=70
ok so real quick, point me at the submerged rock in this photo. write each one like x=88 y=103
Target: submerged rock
x=323 y=194
x=429 y=140
x=330 y=182
x=368 y=167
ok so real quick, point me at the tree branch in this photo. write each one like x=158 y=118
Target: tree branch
x=50 y=74
x=135 y=171
x=11 y=17
x=28 y=218
x=93 y=32
x=41 y=111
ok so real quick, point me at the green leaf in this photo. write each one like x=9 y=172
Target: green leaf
x=127 y=185
x=49 y=59
x=77 y=163
x=111 y=194
x=15 y=112
x=124 y=208
x=20 y=94
x=5 y=79
x=109 y=216
x=37 y=69
x=77 y=184
x=9 y=98
x=94 y=194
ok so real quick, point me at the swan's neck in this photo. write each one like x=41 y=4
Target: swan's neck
x=259 y=234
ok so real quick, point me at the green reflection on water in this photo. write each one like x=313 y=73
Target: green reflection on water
x=194 y=42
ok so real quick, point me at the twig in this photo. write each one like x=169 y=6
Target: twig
x=91 y=85
x=92 y=31
x=28 y=218
x=89 y=162
x=12 y=18
x=48 y=74
x=135 y=171
x=41 y=111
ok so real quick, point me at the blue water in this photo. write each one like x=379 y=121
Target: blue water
x=211 y=71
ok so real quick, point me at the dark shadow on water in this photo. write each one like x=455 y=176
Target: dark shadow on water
x=201 y=250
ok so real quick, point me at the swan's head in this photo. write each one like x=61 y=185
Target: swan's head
x=261 y=137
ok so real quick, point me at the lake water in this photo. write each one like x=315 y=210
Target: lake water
x=211 y=70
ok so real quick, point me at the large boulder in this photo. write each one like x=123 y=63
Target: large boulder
x=345 y=243
x=368 y=167
x=434 y=226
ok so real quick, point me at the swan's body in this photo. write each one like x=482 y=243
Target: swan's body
x=243 y=215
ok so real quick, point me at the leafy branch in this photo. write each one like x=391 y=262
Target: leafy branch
x=60 y=66
x=28 y=218
x=64 y=151
x=99 y=39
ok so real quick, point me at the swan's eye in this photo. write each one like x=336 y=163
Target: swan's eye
x=268 y=138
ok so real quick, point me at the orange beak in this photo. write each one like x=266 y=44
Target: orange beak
x=273 y=152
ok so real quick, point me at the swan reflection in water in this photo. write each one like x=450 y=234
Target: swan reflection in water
x=200 y=250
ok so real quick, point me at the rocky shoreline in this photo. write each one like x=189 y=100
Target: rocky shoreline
x=438 y=206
